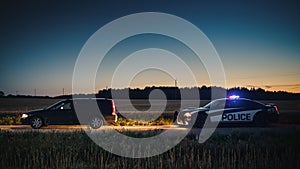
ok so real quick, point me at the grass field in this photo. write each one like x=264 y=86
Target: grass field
x=75 y=150
x=24 y=104
x=11 y=108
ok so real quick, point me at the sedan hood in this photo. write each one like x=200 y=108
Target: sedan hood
x=35 y=111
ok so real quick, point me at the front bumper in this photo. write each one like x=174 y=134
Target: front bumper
x=25 y=120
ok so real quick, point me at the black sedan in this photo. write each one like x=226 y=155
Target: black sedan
x=63 y=112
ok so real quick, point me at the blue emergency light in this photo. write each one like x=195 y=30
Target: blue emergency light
x=234 y=97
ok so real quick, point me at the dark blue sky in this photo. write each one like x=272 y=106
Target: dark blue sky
x=258 y=41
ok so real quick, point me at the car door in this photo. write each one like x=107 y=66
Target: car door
x=216 y=110
x=60 y=113
x=240 y=111
x=71 y=115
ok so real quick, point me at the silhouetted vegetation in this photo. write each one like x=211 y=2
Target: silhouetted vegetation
x=173 y=93
x=27 y=96
x=1 y=93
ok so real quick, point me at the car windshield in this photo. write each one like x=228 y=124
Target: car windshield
x=65 y=105
x=208 y=105
x=54 y=105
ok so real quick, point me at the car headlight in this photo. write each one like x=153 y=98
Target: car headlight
x=187 y=116
x=24 y=115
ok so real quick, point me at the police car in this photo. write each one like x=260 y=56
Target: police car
x=228 y=111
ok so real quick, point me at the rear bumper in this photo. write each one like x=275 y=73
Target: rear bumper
x=111 y=119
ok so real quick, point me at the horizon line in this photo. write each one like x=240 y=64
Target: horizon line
x=103 y=89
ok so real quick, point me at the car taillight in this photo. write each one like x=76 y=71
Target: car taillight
x=113 y=107
x=276 y=108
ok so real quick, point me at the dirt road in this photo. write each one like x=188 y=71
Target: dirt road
x=76 y=128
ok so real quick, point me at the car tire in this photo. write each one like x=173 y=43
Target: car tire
x=260 y=120
x=36 y=122
x=96 y=122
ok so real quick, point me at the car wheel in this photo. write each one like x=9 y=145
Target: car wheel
x=260 y=120
x=96 y=122
x=36 y=122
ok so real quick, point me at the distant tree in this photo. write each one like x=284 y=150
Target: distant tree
x=1 y=93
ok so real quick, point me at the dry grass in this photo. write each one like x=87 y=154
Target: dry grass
x=156 y=122
x=76 y=150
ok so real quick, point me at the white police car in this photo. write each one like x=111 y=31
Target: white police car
x=228 y=111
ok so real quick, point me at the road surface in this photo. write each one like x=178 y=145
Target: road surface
x=76 y=128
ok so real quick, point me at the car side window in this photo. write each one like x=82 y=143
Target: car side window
x=253 y=104
x=218 y=104
x=227 y=104
x=234 y=104
x=62 y=106
x=244 y=104
x=66 y=106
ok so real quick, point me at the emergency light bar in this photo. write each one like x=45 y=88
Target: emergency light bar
x=234 y=97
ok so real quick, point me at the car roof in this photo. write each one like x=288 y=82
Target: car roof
x=239 y=99
x=74 y=99
x=234 y=99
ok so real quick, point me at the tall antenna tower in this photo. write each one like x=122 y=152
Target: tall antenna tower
x=175 y=90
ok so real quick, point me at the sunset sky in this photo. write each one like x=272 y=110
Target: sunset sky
x=258 y=42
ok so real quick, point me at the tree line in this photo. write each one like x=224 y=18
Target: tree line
x=175 y=93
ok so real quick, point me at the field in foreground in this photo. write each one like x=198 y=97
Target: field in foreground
x=76 y=150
